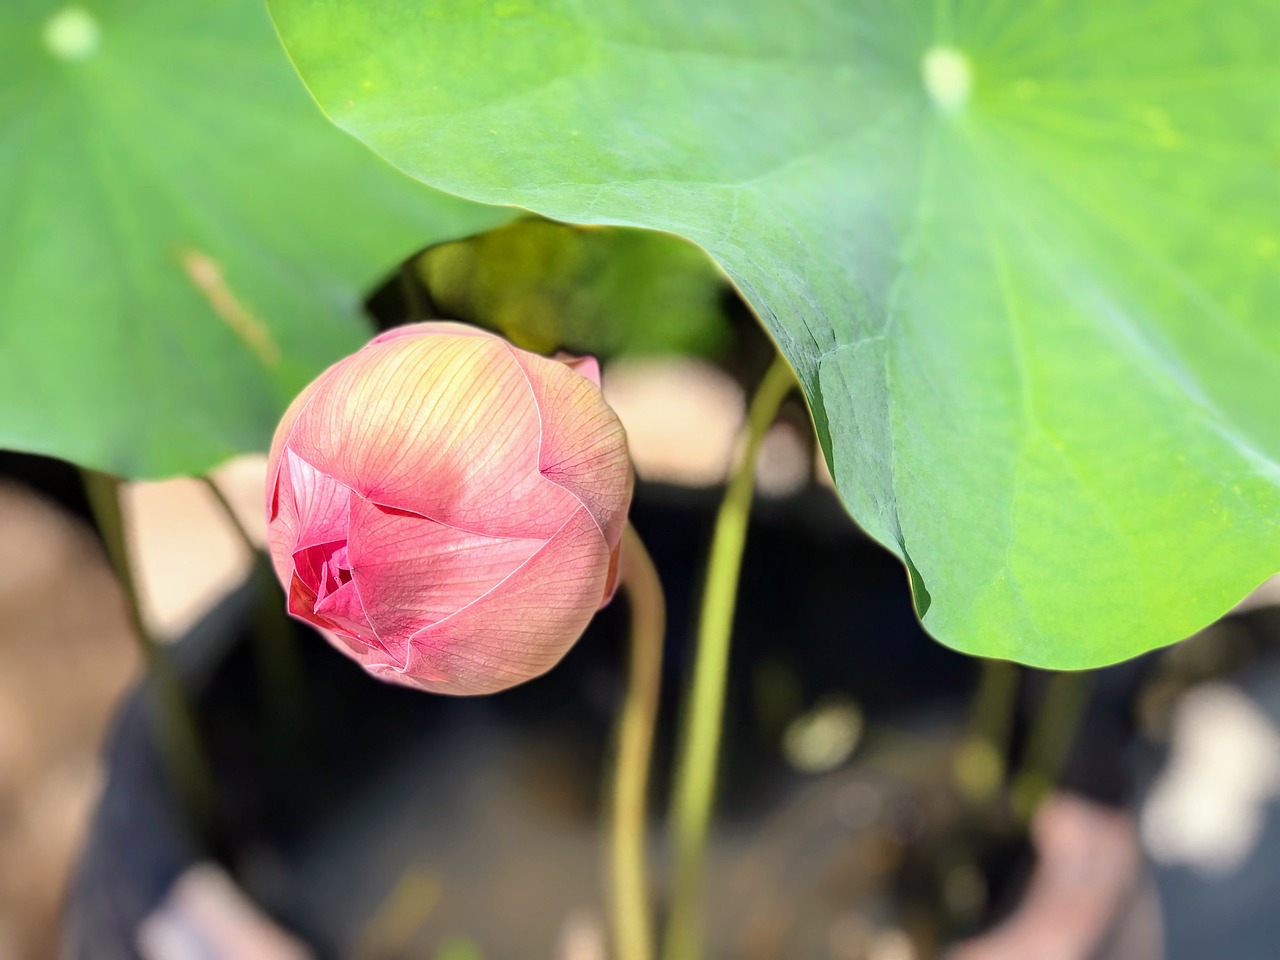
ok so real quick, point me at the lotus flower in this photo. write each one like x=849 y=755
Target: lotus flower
x=448 y=507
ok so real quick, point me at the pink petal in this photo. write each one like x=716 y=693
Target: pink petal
x=431 y=326
x=311 y=508
x=323 y=504
x=284 y=431
x=339 y=631
x=611 y=582
x=312 y=565
x=588 y=367
x=302 y=603
x=412 y=572
x=584 y=447
x=438 y=425
x=522 y=627
x=345 y=608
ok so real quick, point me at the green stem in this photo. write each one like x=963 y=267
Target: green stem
x=178 y=735
x=981 y=764
x=632 y=918
x=233 y=518
x=279 y=662
x=704 y=711
x=1049 y=741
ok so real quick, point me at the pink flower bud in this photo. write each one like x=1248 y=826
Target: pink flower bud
x=448 y=507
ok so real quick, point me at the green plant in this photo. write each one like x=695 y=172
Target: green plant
x=1021 y=257
x=186 y=242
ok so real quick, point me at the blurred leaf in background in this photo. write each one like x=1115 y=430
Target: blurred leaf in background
x=604 y=291
x=1024 y=258
x=184 y=239
x=458 y=948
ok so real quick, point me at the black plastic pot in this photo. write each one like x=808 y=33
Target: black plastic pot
x=492 y=806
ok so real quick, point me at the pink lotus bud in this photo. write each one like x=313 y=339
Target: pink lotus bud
x=449 y=507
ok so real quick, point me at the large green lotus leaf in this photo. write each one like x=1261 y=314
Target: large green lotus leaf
x=1024 y=257
x=183 y=237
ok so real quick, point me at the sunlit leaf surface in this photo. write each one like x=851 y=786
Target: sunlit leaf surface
x=184 y=240
x=1025 y=257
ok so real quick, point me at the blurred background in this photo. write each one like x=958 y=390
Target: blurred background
x=882 y=797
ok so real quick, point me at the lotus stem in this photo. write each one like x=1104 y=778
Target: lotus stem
x=233 y=518
x=632 y=913
x=279 y=663
x=1049 y=741
x=704 y=710
x=178 y=734
x=982 y=762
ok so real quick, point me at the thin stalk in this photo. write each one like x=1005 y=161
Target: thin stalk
x=982 y=763
x=279 y=663
x=632 y=915
x=233 y=518
x=178 y=735
x=704 y=710
x=1049 y=741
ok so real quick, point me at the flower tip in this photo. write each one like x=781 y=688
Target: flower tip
x=589 y=367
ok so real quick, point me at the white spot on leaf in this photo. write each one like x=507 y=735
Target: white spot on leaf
x=948 y=77
x=73 y=34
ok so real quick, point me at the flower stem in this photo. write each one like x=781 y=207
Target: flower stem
x=1049 y=741
x=233 y=518
x=179 y=739
x=632 y=917
x=982 y=761
x=704 y=711
x=279 y=662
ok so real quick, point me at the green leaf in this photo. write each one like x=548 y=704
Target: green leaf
x=1024 y=257
x=607 y=292
x=185 y=239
